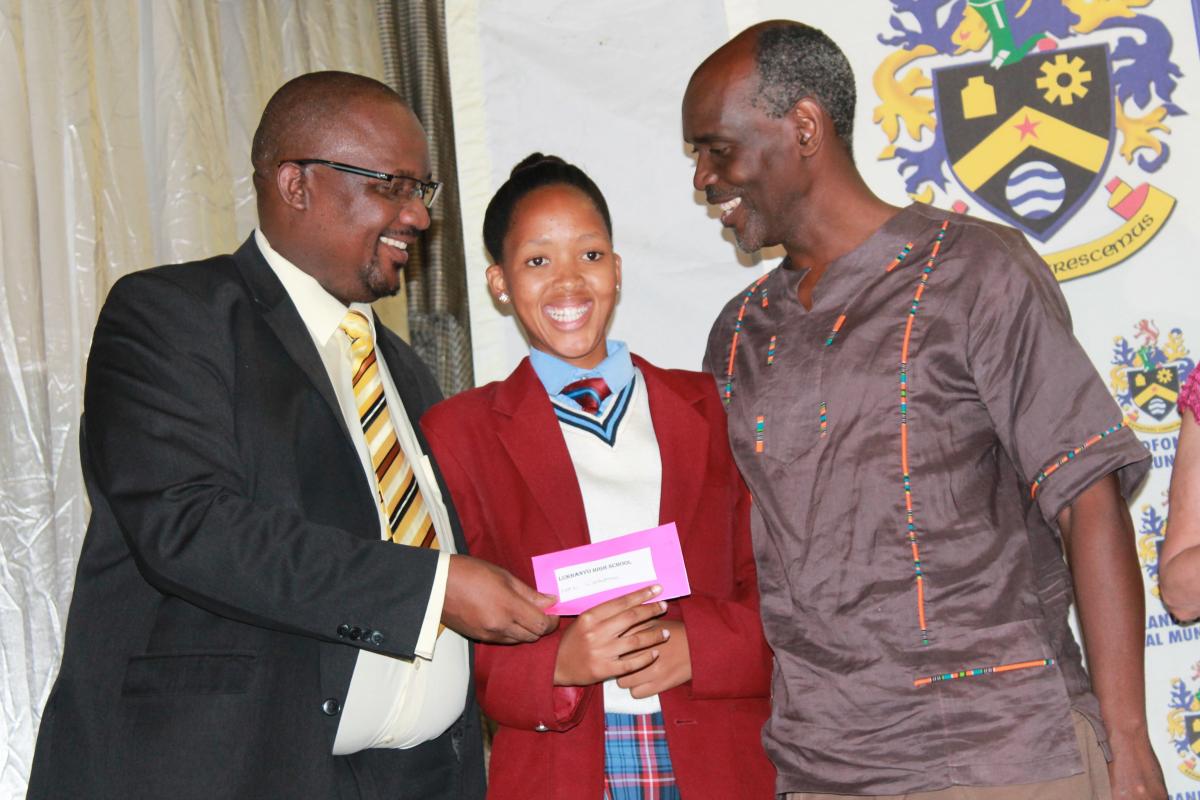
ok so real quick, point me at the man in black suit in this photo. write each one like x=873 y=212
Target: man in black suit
x=240 y=626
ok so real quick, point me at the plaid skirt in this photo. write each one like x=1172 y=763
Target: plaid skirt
x=637 y=764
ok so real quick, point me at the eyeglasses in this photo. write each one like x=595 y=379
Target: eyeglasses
x=395 y=187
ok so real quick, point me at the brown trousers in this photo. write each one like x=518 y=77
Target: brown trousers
x=1091 y=784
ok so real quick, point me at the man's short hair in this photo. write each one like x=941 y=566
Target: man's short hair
x=309 y=104
x=795 y=61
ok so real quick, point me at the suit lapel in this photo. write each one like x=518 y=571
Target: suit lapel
x=682 y=434
x=281 y=315
x=529 y=431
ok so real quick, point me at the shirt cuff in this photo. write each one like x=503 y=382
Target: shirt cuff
x=432 y=624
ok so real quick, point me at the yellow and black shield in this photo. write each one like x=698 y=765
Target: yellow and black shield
x=1030 y=140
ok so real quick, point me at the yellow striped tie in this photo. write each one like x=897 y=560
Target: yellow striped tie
x=403 y=507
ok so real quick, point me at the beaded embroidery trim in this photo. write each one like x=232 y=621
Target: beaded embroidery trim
x=833 y=332
x=971 y=673
x=909 y=522
x=737 y=330
x=903 y=254
x=1048 y=471
x=758 y=433
x=837 y=326
x=771 y=352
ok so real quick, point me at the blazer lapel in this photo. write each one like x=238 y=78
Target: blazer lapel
x=529 y=431
x=682 y=434
x=281 y=314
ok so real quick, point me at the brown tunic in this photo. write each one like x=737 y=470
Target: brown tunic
x=877 y=587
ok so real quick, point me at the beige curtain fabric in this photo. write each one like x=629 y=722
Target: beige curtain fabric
x=415 y=63
x=125 y=143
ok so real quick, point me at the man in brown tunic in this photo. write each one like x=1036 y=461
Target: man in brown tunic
x=924 y=438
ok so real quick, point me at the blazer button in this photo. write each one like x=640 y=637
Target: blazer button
x=541 y=727
x=355 y=632
x=331 y=707
x=343 y=630
x=376 y=638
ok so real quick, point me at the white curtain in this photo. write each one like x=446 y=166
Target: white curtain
x=125 y=130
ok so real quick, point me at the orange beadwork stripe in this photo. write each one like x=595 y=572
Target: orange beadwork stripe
x=1048 y=471
x=910 y=525
x=971 y=673
x=907 y=337
x=737 y=330
x=920 y=594
x=903 y=254
x=833 y=332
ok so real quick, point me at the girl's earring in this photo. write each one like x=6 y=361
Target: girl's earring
x=502 y=297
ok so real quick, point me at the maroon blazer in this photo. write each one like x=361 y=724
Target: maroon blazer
x=504 y=460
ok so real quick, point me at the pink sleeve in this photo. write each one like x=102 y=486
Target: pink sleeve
x=1189 y=397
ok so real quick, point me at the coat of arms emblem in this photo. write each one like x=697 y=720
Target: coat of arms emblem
x=1025 y=109
x=1146 y=376
x=1030 y=140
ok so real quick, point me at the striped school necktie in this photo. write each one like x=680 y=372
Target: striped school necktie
x=407 y=518
x=588 y=392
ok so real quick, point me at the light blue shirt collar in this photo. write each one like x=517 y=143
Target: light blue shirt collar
x=554 y=373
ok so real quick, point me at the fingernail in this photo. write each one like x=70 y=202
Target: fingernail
x=666 y=633
x=654 y=653
x=662 y=605
x=655 y=589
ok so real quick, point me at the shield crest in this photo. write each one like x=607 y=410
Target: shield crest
x=1029 y=141
x=1192 y=725
x=1154 y=389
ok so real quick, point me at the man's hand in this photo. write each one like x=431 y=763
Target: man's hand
x=1099 y=541
x=1134 y=771
x=486 y=603
x=600 y=644
x=672 y=667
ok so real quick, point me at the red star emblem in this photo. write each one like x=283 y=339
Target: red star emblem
x=1027 y=128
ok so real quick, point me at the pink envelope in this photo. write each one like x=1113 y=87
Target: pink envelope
x=585 y=576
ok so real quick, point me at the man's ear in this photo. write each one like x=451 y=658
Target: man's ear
x=810 y=124
x=291 y=184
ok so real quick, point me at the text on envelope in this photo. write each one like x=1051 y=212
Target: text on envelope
x=589 y=577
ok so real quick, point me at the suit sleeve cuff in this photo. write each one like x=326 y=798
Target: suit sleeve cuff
x=433 y=612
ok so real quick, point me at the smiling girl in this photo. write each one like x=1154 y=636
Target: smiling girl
x=635 y=698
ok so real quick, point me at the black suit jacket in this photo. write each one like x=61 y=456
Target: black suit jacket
x=232 y=536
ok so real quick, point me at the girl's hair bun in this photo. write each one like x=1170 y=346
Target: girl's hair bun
x=535 y=160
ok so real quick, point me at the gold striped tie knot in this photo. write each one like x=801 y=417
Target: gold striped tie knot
x=358 y=330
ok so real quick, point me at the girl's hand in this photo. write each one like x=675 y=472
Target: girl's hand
x=600 y=644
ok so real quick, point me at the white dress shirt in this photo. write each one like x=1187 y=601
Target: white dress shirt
x=391 y=702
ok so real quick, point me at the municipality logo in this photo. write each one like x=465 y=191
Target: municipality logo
x=1146 y=376
x=1152 y=530
x=1021 y=110
x=1183 y=723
